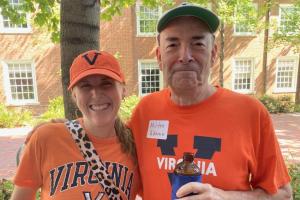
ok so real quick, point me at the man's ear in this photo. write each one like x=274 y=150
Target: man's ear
x=158 y=57
x=214 y=54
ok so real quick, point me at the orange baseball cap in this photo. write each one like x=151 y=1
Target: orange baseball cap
x=95 y=62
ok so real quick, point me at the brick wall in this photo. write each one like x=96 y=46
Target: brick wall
x=119 y=37
x=46 y=57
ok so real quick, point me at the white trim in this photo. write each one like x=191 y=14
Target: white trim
x=294 y=78
x=7 y=30
x=137 y=11
x=235 y=33
x=9 y=100
x=140 y=62
x=274 y=21
x=252 y=84
x=242 y=34
x=280 y=13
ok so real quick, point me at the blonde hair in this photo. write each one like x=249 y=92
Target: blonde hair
x=125 y=137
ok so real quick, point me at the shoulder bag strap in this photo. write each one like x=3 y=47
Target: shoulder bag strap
x=90 y=154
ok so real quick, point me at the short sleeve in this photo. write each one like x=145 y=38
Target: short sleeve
x=29 y=173
x=270 y=171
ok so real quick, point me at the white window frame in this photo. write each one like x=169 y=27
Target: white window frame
x=6 y=83
x=140 y=62
x=280 y=14
x=235 y=33
x=16 y=29
x=294 y=78
x=138 y=32
x=274 y=21
x=252 y=83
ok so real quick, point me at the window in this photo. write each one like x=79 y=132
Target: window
x=150 y=78
x=6 y=26
x=287 y=13
x=244 y=22
x=20 y=83
x=286 y=72
x=243 y=75
x=146 y=20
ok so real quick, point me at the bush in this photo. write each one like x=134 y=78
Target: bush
x=6 y=188
x=286 y=104
x=270 y=103
x=297 y=108
x=127 y=106
x=13 y=117
x=55 y=109
x=281 y=104
x=294 y=171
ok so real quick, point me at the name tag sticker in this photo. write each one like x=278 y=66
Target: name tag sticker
x=158 y=129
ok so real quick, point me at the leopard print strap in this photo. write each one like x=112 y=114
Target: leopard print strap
x=90 y=154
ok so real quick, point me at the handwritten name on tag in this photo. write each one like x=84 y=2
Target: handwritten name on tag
x=158 y=129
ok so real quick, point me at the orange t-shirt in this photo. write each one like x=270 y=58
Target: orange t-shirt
x=231 y=135
x=53 y=162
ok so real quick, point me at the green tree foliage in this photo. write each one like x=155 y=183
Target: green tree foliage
x=45 y=14
x=77 y=30
x=109 y=8
x=288 y=34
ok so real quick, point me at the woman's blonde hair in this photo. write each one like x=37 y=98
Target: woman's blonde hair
x=125 y=137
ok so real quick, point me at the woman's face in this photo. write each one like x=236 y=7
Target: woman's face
x=98 y=97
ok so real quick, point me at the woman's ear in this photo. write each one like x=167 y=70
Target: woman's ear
x=73 y=95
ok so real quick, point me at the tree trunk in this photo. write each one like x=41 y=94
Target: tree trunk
x=265 y=50
x=297 y=98
x=79 y=32
x=222 y=47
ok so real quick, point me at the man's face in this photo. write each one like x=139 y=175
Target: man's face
x=186 y=53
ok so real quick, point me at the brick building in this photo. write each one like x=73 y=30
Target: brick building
x=30 y=62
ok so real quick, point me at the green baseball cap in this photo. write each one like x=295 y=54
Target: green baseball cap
x=187 y=9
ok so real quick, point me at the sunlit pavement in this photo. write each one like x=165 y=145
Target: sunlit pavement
x=287 y=127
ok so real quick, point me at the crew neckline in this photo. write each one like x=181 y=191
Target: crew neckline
x=186 y=109
x=96 y=140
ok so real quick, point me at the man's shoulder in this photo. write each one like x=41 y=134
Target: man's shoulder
x=236 y=95
x=244 y=100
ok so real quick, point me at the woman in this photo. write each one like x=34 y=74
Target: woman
x=54 y=160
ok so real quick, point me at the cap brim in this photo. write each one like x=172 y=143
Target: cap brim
x=205 y=15
x=90 y=72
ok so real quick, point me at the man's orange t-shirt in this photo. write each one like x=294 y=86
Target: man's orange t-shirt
x=53 y=162
x=231 y=135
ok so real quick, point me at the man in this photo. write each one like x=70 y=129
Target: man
x=231 y=134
